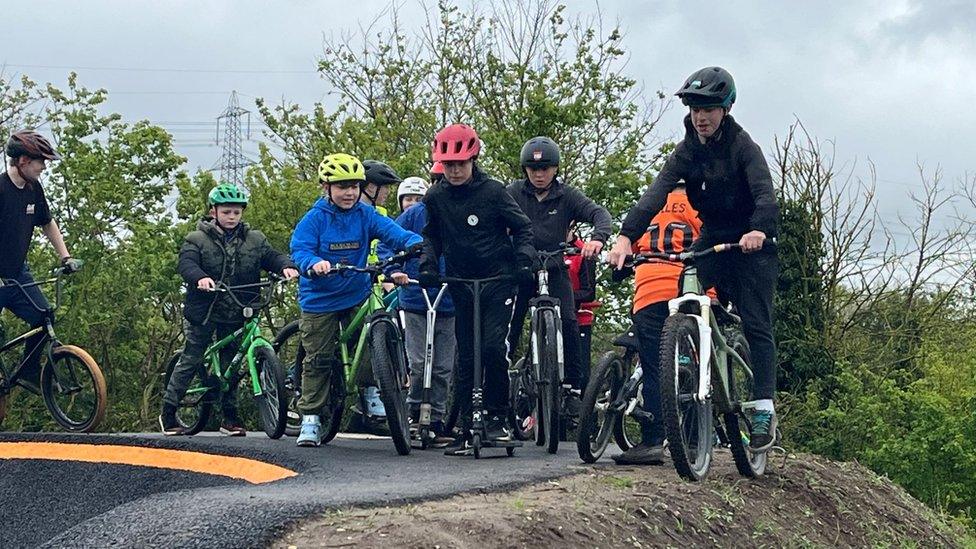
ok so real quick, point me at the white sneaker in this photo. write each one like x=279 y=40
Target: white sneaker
x=374 y=406
x=311 y=434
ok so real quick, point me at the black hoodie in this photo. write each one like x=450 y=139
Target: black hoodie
x=552 y=216
x=478 y=227
x=727 y=181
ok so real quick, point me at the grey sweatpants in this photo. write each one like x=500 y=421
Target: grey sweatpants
x=415 y=337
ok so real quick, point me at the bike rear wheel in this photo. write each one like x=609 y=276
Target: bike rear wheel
x=687 y=420
x=522 y=397
x=737 y=426
x=389 y=362
x=194 y=409
x=597 y=420
x=288 y=346
x=74 y=389
x=273 y=402
x=550 y=386
x=626 y=427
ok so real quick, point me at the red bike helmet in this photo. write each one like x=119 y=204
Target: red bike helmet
x=456 y=143
x=31 y=144
x=437 y=168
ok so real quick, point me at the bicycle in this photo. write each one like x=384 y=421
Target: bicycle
x=705 y=373
x=479 y=431
x=537 y=390
x=612 y=397
x=380 y=334
x=255 y=362
x=72 y=383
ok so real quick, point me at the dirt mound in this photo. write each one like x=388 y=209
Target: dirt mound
x=804 y=501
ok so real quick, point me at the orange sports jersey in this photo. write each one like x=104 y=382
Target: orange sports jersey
x=672 y=230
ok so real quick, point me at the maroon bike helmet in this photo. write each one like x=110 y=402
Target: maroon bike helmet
x=32 y=144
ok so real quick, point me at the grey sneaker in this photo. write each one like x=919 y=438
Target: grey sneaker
x=763 y=432
x=642 y=454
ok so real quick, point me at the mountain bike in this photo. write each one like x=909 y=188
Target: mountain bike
x=380 y=334
x=72 y=384
x=254 y=366
x=537 y=390
x=612 y=403
x=705 y=376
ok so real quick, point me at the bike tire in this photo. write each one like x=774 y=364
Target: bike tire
x=288 y=346
x=87 y=397
x=597 y=422
x=273 y=402
x=522 y=401
x=551 y=390
x=3 y=396
x=193 y=412
x=389 y=363
x=688 y=423
x=737 y=426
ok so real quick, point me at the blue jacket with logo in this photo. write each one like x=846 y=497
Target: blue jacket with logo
x=330 y=234
x=411 y=297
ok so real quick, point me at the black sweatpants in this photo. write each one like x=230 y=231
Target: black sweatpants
x=496 y=312
x=559 y=287
x=648 y=323
x=749 y=280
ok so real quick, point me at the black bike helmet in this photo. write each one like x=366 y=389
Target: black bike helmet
x=380 y=174
x=31 y=144
x=539 y=152
x=708 y=87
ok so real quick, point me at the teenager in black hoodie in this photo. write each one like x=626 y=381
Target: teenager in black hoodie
x=481 y=232
x=728 y=182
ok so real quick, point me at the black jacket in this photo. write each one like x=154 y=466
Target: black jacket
x=478 y=228
x=552 y=216
x=727 y=181
x=207 y=253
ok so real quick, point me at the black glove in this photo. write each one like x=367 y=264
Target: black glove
x=428 y=279
x=71 y=265
x=525 y=275
x=414 y=251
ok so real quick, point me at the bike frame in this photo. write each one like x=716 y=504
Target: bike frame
x=375 y=303
x=251 y=339
x=717 y=352
x=11 y=377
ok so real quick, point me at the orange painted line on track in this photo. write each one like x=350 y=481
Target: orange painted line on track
x=250 y=470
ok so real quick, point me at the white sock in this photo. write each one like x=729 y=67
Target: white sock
x=765 y=404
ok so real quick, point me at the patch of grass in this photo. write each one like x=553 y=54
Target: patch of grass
x=618 y=482
x=518 y=504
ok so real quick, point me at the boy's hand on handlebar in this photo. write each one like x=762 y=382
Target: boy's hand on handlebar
x=206 y=284
x=322 y=267
x=591 y=248
x=428 y=279
x=71 y=265
x=752 y=241
x=400 y=278
x=618 y=254
x=289 y=273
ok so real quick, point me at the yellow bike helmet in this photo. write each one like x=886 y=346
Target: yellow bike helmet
x=341 y=167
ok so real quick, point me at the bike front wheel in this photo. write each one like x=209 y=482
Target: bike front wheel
x=273 y=402
x=738 y=429
x=550 y=386
x=687 y=419
x=390 y=370
x=597 y=419
x=74 y=389
x=194 y=409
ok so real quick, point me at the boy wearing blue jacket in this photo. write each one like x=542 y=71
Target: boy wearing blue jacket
x=338 y=229
x=414 y=218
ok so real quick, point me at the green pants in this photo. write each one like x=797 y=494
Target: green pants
x=320 y=338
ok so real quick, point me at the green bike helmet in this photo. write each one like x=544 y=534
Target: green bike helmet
x=226 y=193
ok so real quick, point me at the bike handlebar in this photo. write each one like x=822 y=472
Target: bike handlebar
x=58 y=272
x=273 y=281
x=373 y=270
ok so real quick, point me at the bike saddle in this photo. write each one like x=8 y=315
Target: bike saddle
x=628 y=339
x=724 y=317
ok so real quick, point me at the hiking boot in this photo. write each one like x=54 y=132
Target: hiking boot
x=374 y=406
x=311 y=432
x=763 y=432
x=460 y=446
x=496 y=428
x=642 y=454
x=168 y=424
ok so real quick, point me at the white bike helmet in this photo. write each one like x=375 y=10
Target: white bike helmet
x=411 y=185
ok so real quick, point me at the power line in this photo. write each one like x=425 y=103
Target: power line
x=158 y=69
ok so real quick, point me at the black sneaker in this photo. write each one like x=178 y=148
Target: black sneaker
x=642 y=454
x=168 y=424
x=232 y=425
x=460 y=446
x=442 y=437
x=497 y=429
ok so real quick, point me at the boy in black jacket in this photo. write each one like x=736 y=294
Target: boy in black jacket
x=482 y=233
x=728 y=182
x=222 y=249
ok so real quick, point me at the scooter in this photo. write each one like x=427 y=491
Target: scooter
x=422 y=433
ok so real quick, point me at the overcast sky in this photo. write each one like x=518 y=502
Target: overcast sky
x=890 y=81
